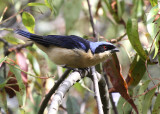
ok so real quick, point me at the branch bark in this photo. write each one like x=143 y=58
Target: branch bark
x=52 y=91
x=96 y=75
x=104 y=93
x=91 y=20
x=62 y=90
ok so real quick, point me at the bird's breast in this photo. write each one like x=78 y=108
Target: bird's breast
x=74 y=58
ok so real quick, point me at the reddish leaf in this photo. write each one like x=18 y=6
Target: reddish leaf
x=112 y=69
x=21 y=61
x=14 y=85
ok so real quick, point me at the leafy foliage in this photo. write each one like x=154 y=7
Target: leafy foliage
x=28 y=21
x=140 y=21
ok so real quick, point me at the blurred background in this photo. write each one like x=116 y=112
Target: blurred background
x=71 y=17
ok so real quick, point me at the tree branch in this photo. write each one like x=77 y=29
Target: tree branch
x=118 y=39
x=62 y=90
x=104 y=93
x=91 y=20
x=52 y=91
x=19 y=47
x=96 y=75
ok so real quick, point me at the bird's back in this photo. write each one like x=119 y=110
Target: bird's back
x=69 y=42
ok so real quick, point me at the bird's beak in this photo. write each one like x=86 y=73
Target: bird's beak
x=114 y=50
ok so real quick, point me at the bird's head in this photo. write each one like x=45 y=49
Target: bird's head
x=102 y=47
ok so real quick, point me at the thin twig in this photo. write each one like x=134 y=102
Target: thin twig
x=153 y=42
x=155 y=86
x=91 y=21
x=118 y=39
x=4 y=11
x=96 y=89
x=12 y=16
x=15 y=66
x=19 y=47
x=52 y=91
x=111 y=97
x=148 y=56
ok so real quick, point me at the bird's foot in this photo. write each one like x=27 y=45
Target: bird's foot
x=82 y=71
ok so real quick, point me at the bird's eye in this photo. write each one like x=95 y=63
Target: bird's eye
x=104 y=47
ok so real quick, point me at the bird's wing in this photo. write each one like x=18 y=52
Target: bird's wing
x=69 y=42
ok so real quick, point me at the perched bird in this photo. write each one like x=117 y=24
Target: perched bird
x=71 y=51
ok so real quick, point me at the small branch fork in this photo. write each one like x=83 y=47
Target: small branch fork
x=95 y=77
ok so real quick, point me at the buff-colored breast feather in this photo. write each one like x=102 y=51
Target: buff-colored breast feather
x=74 y=58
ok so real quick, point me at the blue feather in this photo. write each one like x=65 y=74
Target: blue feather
x=69 y=42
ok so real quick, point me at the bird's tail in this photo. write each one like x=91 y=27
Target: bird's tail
x=23 y=33
x=34 y=37
x=29 y=35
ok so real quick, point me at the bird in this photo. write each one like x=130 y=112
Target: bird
x=71 y=51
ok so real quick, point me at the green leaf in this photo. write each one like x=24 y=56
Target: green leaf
x=78 y=87
x=37 y=99
x=71 y=12
x=123 y=106
x=153 y=27
x=72 y=106
x=3 y=100
x=108 y=4
x=22 y=111
x=153 y=2
x=49 y=4
x=156 y=109
x=157 y=41
x=140 y=98
x=136 y=71
x=2 y=60
x=137 y=8
x=3 y=81
x=147 y=101
x=13 y=40
x=133 y=36
x=21 y=94
x=36 y=4
x=28 y=21
x=34 y=63
x=156 y=47
x=57 y=5
x=120 y=6
x=159 y=59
